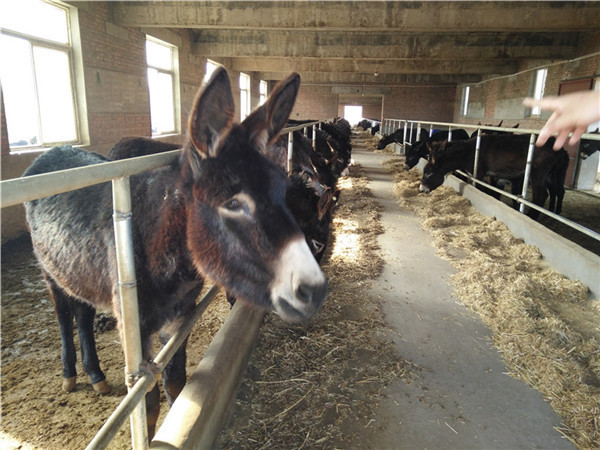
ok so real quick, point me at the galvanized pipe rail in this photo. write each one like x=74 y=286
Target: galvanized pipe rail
x=24 y=189
x=521 y=199
x=20 y=190
x=137 y=393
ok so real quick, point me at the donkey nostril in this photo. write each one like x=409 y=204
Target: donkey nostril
x=304 y=293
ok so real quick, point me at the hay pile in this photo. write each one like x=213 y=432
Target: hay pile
x=366 y=136
x=523 y=301
x=319 y=384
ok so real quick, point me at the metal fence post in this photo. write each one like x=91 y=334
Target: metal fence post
x=527 y=170
x=477 y=148
x=290 y=151
x=130 y=332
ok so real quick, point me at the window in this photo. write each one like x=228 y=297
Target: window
x=539 y=84
x=244 y=96
x=464 y=105
x=161 y=59
x=210 y=68
x=262 y=92
x=36 y=74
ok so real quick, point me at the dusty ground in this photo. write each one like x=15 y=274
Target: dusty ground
x=582 y=207
x=35 y=412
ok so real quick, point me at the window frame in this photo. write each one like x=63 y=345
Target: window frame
x=71 y=50
x=173 y=72
x=245 y=104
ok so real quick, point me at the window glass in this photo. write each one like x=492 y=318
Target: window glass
x=464 y=109
x=18 y=88
x=159 y=56
x=244 y=95
x=538 y=89
x=43 y=20
x=210 y=68
x=161 y=102
x=54 y=94
x=262 y=92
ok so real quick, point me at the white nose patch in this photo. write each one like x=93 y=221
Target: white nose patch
x=299 y=286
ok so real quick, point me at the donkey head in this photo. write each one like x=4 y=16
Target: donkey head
x=433 y=172
x=239 y=231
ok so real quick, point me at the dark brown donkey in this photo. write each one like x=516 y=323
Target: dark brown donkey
x=501 y=156
x=218 y=211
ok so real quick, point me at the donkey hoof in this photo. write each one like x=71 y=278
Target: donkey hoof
x=68 y=384
x=101 y=387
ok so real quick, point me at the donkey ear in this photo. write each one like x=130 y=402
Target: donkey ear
x=265 y=123
x=212 y=114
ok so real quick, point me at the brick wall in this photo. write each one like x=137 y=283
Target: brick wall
x=420 y=103
x=372 y=111
x=315 y=102
x=116 y=91
x=502 y=97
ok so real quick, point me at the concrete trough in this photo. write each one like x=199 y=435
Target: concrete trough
x=196 y=417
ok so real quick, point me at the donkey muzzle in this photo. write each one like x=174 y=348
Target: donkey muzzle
x=299 y=287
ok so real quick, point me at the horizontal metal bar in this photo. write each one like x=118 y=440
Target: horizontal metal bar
x=24 y=189
x=541 y=209
x=137 y=392
x=590 y=136
x=299 y=127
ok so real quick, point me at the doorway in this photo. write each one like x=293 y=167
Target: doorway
x=353 y=114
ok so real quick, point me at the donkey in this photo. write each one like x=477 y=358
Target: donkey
x=218 y=212
x=501 y=155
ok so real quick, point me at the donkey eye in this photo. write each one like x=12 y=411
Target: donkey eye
x=233 y=204
x=239 y=205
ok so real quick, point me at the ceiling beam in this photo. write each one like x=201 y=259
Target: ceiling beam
x=383 y=45
x=401 y=16
x=348 y=66
x=359 y=79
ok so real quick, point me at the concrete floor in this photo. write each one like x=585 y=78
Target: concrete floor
x=462 y=398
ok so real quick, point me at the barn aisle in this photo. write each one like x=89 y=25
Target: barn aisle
x=462 y=398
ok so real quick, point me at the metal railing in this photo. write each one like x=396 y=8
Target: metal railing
x=24 y=189
x=390 y=125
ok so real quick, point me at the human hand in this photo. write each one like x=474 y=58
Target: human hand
x=572 y=113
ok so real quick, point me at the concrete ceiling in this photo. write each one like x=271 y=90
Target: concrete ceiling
x=345 y=43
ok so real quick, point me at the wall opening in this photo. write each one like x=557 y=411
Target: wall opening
x=353 y=113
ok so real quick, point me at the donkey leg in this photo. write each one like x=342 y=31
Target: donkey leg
x=153 y=395
x=84 y=315
x=174 y=377
x=152 y=410
x=540 y=194
x=64 y=314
